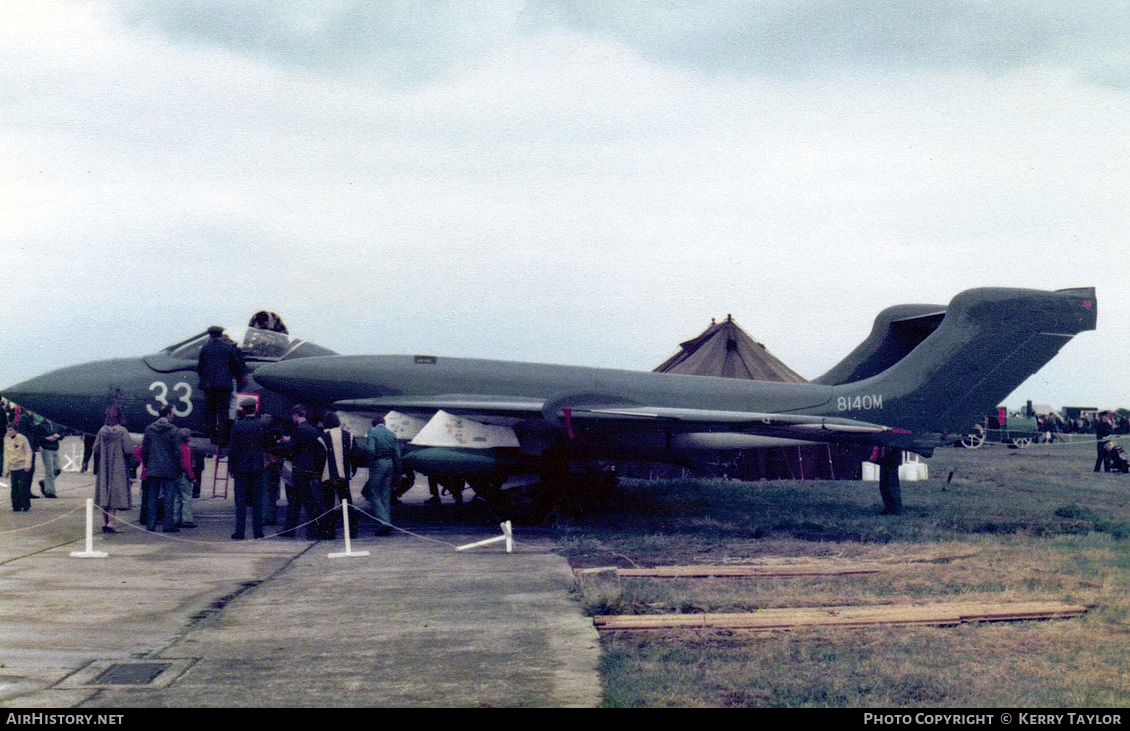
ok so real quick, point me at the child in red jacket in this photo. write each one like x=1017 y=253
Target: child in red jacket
x=184 y=504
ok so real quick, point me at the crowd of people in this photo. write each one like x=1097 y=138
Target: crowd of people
x=314 y=462
x=323 y=459
x=1086 y=423
x=1107 y=426
x=29 y=440
x=312 y=457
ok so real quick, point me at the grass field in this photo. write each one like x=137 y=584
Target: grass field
x=1010 y=525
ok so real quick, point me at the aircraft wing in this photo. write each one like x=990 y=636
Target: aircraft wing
x=744 y=421
x=567 y=411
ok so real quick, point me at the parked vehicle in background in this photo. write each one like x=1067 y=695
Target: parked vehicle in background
x=1014 y=431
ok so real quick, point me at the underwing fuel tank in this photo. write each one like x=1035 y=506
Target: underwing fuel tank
x=466 y=462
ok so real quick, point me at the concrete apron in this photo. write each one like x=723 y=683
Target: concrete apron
x=275 y=623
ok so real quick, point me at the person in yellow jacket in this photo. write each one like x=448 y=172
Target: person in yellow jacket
x=17 y=467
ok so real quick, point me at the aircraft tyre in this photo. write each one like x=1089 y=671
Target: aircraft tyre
x=557 y=494
x=530 y=505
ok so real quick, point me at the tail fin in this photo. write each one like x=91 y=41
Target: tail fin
x=897 y=331
x=927 y=369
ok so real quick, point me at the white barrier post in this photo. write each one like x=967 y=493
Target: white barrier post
x=348 y=545
x=89 y=552
x=507 y=535
x=72 y=458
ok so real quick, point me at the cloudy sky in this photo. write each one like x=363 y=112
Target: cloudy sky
x=574 y=182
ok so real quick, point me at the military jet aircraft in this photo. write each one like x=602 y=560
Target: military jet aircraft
x=925 y=372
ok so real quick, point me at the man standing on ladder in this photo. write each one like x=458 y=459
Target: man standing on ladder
x=221 y=368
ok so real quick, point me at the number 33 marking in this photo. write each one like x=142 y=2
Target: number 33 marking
x=162 y=398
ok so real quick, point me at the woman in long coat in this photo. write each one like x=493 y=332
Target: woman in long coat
x=113 y=446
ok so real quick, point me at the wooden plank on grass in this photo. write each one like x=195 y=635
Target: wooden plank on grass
x=944 y=614
x=751 y=571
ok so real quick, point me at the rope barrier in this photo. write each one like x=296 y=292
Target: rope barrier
x=58 y=490
x=1083 y=440
x=26 y=528
x=405 y=530
x=163 y=534
x=118 y=521
x=294 y=530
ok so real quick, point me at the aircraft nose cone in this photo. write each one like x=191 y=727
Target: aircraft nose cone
x=37 y=394
x=75 y=396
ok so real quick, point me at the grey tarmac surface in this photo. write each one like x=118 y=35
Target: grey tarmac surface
x=276 y=623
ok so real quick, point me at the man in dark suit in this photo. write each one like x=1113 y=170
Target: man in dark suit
x=249 y=438
x=1103 y=430
x=221 y=368
x=338 y=470
x=307 y=459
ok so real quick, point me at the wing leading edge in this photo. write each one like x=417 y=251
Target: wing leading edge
x=615 y=413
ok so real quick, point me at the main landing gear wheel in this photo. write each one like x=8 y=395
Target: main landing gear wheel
x=559 y=494
x=1022 y=442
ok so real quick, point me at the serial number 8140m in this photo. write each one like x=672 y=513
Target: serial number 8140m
x=859 y=403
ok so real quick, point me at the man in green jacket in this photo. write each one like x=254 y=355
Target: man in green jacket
x=384 y=463
x=49 y=437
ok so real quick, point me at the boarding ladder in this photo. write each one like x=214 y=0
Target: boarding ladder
x=220 y=476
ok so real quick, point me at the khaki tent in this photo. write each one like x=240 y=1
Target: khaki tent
x=725 y=349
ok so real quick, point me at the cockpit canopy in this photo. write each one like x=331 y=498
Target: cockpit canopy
x=265 y=339
x=256 y=344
